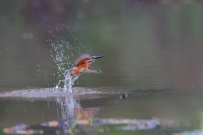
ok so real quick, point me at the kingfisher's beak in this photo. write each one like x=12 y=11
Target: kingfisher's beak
x=97 y=57
x=91 y=60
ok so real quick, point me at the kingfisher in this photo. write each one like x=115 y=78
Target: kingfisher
x=83 y=64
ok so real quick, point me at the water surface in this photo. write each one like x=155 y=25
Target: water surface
x=138 y=110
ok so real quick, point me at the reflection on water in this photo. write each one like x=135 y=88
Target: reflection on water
x=67 y=111
x=164 y=113
x=76 y=119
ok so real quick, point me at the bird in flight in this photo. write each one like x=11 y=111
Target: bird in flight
x=83 y=64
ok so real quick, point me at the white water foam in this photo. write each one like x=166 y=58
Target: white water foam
x=47 y=93
x=50 y=93
x=69 y=81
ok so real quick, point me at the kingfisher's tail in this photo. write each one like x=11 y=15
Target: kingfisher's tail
x=68 y=70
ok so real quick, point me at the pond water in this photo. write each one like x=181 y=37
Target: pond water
x=138 y=110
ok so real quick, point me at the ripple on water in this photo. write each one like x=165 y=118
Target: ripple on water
x=47 y=93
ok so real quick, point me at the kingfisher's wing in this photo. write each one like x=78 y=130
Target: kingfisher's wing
x=82 y=59
x=91 y=70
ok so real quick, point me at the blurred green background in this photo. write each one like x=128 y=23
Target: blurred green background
x=145 y=42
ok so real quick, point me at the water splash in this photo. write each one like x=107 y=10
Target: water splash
x=63 y=55
x=69 y=81
x=65 y=52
